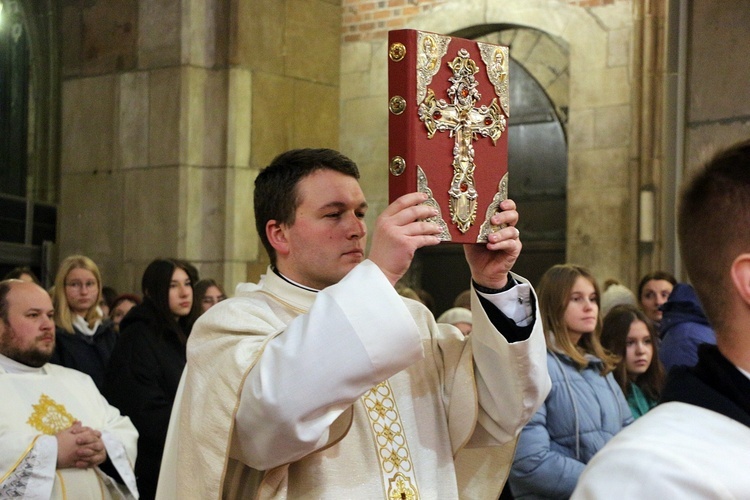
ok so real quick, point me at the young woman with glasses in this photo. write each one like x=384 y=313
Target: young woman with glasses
x=84 y=338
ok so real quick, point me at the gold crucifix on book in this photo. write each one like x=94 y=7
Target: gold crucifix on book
x=464 y=121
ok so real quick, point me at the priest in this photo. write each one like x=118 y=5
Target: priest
x=58 y=433
x=322 y=382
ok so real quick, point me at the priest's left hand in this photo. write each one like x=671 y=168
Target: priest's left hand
x=491 y=263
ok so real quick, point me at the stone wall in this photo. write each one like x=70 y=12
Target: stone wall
x=169 y=108
x=718 y=94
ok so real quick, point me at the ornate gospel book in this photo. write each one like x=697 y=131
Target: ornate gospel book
x=447 y=128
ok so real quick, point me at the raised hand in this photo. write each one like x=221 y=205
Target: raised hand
x=399 y=231
x=491 y=263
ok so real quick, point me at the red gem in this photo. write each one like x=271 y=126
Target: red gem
x=464 y=188
x=464 y=93
x=437 y=115
x=488 y=121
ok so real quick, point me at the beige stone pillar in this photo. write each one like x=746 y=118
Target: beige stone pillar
x=169 y=109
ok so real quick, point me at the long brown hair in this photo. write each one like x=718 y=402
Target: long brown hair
x=615 y=331
x=554 y=297
x=63 y=312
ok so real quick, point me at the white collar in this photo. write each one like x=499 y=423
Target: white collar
x=13 y=366
x=82 y=326
x=744 y=372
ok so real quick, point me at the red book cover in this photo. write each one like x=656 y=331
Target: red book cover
x=447 y=128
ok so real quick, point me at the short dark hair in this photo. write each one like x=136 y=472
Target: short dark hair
x=201 y=287
x=17 y=272
x=276 y=195
x=109 y=294
x=130 y=297
x=713 y=227
x=656 y=275
x=5 y=286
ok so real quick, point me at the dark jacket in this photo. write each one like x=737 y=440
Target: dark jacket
x=141 y=382
x=85 y=353
x=684 y=327
x=713 y=383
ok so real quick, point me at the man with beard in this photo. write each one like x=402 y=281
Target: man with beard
x=57 y=433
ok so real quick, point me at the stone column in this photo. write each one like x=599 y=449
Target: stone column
x=169 y=108
x=155 y=139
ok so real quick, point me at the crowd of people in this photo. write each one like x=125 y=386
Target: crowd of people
x=131 y=345
x=301 y=386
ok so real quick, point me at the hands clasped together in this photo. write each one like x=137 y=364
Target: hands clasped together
x=80 y=447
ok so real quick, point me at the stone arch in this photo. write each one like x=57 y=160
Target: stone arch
x=601 y=193
x=545 y=58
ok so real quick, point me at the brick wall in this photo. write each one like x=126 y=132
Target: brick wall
x=372 y=19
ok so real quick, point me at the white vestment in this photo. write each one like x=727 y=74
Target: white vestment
x=676 y=450
x=350 y=392
x=36 y=404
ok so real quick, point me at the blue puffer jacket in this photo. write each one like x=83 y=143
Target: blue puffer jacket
x=684 y=327
x=581 y=413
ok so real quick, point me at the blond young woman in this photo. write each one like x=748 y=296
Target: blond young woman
x=84 y=338
x=585 y=407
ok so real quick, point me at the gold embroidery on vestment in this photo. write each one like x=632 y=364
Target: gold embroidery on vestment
x=49 y=417
x=390 y=440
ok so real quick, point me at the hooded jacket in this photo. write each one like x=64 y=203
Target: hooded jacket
x=582 y=412
x=684 y=327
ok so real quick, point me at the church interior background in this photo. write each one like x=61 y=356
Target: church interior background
x=134 y=129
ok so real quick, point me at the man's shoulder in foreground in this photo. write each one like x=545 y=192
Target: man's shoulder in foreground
x=669 y=453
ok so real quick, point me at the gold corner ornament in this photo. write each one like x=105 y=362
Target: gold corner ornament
x=397 y=52
x=466 y=123
x=397 y=166
x=423 y=187
x=397 y=104
x=49 y=417
x=487 y=226
x=431 y=48
x=495 y=58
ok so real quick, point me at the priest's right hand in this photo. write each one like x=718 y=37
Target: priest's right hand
x=399 y=231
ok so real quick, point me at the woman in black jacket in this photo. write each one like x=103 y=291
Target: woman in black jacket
x=147 y=362
x=84 y=338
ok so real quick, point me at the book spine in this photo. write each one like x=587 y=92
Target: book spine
x=403 y=118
